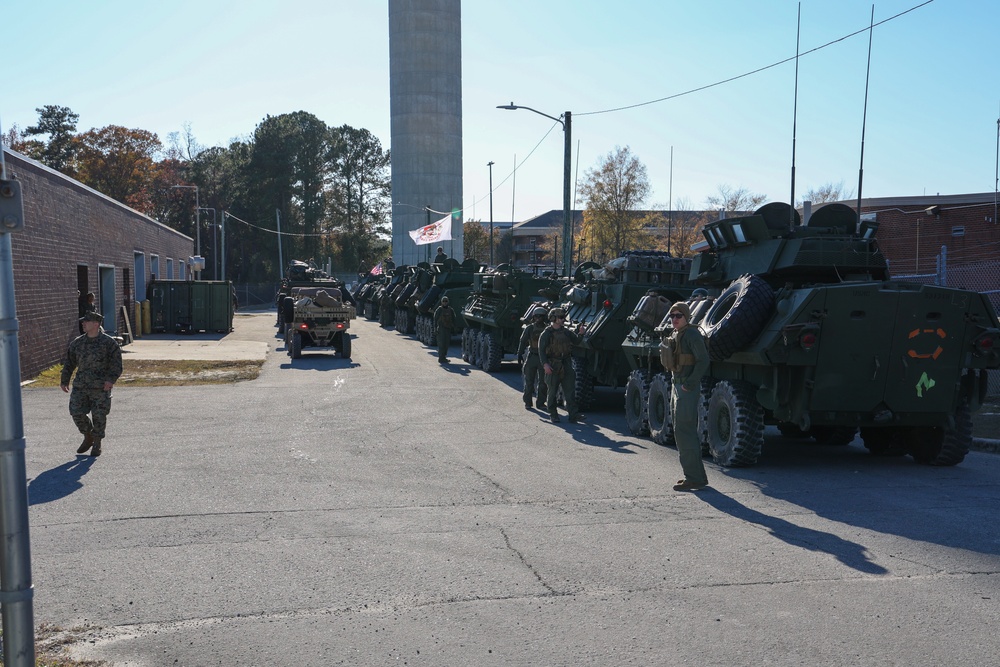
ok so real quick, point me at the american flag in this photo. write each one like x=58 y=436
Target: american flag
x=377 y=271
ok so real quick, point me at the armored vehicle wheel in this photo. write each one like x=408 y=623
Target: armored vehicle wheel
x=288 y=309
x=704 y=396
x=281 y=327
x=735 y=424
x=466 y=344
x=295 y=346
x=833 y=435
x=345 y=345
x=636 y=402
x=883 y=441
x=661 y=429
x=493 y=357
x=736 y=318
x=369 y=310
x=584 y=384
x=474 y=348
x=943 y=446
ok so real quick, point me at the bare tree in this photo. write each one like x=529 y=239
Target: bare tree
x=826 y=193
x=614 y=193
x=735 y=201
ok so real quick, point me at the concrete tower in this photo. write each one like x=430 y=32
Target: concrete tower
x=425 y=102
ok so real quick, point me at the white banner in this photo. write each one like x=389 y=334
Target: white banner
x=434 y=232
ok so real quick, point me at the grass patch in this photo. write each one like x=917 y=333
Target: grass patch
x=163 y=373
x=51 y=644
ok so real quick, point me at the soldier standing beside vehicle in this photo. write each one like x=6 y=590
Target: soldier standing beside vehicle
x=444 y=324
x=686 y=357
x=441 y=256
x=97 y=360
x=532 y=370
x=555 y=348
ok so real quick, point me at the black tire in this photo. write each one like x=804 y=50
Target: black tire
x=494 y=353
x=295 y=346
x=345 y=345
x=288 y=309
x=584 y=384
x=704 y=396
x=637 y=402
x=474 y=348
x=735 y=424
x=884 y=441
x=483 y=356
x=737 y=317
x=833 y=435
x=369 y=310
x=466 y=345
x=943 y=446
x=661 y=429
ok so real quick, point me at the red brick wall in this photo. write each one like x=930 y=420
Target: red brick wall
x=67 y=225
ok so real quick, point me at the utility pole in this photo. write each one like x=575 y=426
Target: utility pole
x=16 y=591
x=490 y=165
x=281 y=262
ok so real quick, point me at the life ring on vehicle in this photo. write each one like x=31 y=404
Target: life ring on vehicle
x=737 y=317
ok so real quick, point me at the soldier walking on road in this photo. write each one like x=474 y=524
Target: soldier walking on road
x=532 y=370
x=555 y=349
x=686 y=357
x=97 y=360
x=444 y=324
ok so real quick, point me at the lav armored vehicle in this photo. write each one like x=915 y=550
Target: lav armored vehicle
x=811 y=334
x=419 y=279
x=494 y=310
x=603 y=298
x=450 y=278
x=364 y=294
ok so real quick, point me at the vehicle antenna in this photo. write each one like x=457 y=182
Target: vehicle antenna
x=864 y=117
x=795 y=114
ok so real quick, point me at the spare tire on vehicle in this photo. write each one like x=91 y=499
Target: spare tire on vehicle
x=737 y=317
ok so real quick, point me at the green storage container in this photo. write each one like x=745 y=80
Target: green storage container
x=190 y=306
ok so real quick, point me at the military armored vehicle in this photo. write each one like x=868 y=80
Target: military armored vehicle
x=305 y=274
x=494 y=313
x=315 y=317
x=811 y=334
x=364 y=295
x=419 y=280
x=387 y=294
x=603 y=299
x=450 y=278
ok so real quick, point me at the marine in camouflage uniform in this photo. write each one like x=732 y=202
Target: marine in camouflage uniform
x=444 y=324
x=689 y=364
x=97 y=360
x=532 y=370
x=555 y=348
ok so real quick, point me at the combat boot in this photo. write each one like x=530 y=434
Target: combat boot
x=540 y=405
x=88 y=442
x=96 y=451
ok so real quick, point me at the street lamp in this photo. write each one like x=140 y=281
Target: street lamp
x=215 y=243
x=566 y=122
x=490 y=165
x=197 y=222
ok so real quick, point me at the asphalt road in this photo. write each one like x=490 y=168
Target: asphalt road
x=387 y=510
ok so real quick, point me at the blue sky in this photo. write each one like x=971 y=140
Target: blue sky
x=933 y=100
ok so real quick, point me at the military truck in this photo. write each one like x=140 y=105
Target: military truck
x=494 y=313
x=317 y=318
x=811 y=334
x=305 y=274
x=603 y=298
x=450 y=278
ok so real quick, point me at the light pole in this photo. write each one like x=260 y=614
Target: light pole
x=490 y=165
x=566 y=122
x=215 y=243
x=197 y=223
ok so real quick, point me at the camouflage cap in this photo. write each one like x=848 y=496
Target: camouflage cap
x=556 y=312
x=539 y=312
x=92 y=316
x=444 y=300
x=683 y=309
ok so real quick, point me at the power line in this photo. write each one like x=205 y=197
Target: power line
x=756 y=71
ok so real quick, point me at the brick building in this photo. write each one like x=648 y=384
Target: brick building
x=953 y=240
x=76 y=238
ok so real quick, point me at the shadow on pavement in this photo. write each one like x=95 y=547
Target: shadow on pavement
x=60 y=481
x=850 y=554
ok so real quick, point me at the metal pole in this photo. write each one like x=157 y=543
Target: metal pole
x=197 y=227
x=16 y=591
x=670 y=207
x=223 y=250
x=567 y=213
x=281 y=262
x=490 y=165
